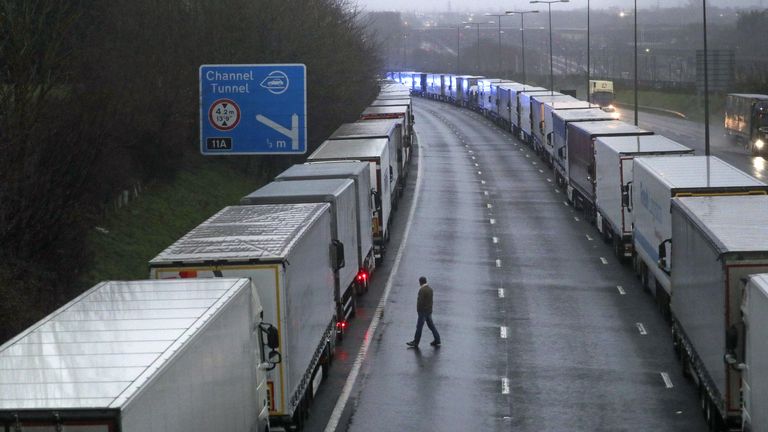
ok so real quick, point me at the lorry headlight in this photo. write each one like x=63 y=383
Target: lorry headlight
x=759 y=144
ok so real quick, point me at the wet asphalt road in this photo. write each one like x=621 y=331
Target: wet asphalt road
x=543 y=330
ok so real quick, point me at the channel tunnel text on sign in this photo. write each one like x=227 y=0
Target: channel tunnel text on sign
x=253 y=109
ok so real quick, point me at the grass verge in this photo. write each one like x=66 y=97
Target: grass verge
x=159 y=216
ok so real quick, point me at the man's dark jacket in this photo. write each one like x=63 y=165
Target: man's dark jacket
x=424 y=300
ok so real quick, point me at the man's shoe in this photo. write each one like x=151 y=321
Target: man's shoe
x=412 y=344
x=435 y=343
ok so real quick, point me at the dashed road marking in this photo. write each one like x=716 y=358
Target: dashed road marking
x=541 y=171
x=493 y=221
x=667 y=380
x=485 y=193
x=604 y=261
x=621 y=290
x=565 y=203
x=482 y=181
x=501 y=292
x=504 y=385
x=576 y=218
x=479 y=173
x=489 y=205
x=588 y=237
x=549 y=180
x=503 y=332
x=498 y=263
x=495 y=240
x=641 y=329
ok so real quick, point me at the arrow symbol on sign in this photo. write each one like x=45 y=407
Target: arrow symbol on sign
x=292 y=133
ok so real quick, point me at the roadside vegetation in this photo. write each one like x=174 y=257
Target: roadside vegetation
x=99 y=123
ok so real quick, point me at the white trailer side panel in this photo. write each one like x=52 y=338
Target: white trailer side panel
x=360 y=173
x=755 y=384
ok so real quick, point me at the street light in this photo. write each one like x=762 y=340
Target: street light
x=551 y=69
x=706 y=84
x=499 y=18
x=522 y=33
x=477 y=25
x=589 y=95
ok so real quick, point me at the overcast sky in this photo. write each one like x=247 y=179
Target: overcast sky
x=480 y=5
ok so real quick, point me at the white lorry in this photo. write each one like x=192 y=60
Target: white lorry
x=360 y=174
x=392 y=131
x=541 y=120
x=342 y=197
x=143 y=356
x=288 y=253
x=655 y=182
x=613 y=158
x=719 y=241
x=376 y=153
x=525 y=105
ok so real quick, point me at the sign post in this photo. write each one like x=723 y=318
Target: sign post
x=253 y=109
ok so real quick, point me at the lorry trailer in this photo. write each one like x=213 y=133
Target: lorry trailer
x=143 y=356
x=392 y=131
x=614 y=158
x=580 y=139
x=716 y=248
x=536 y=115
x=560 y=121
x=655 y=182
x=342 y=196
x=376 y=152
x=288 y=253
x=751 y=355
x=542 y=123
x=360 y=174
x=525 y=116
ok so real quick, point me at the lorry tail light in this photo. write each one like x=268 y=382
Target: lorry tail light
x=362 y=276
x=188 y=274
x=341 y=325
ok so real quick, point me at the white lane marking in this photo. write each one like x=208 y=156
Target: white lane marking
x=498 y=263
x=485 y=193
x=477 y=165
x=346 y=391
x=667 y=380
x=495 y=240
x=621 y=290
x=479 y=173
x=558 y=191
x=501 y=292
x=588 y=237
x=489 y=205
x=541 y=171
x=565 y=203
x=605 y=261
x=533 y=163
x=482 y=181
x=505 y=385
x=493 y=221
x=576 y=218
x=503 y=332
x=527 y=155
x=641 y=329
x=473 y=158
x=549 y=180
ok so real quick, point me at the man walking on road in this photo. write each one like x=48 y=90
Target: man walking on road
x=424 y=309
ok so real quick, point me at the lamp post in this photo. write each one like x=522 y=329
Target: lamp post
x=589 y=94
x=499 y=18
x=636 y=104
x=706 y=84
x=477 y=25
x=522 y=33
x=551 y=68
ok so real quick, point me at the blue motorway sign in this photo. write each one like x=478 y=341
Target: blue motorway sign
x=253 y=109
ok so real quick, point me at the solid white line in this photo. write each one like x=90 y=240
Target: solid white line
x=641 y=329
x=498 y=263
x=333 y=421
x=621 y=290
x=495 y=240
x=505 y=386
x=503 y=332
x=605 y=261
x=501 y=292
x=667 y=380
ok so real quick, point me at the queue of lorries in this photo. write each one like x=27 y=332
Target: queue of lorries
x=237 y=325
x=693 y=227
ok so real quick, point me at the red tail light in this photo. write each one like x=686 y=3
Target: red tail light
x=188 y=274
x=341 y=324
x=362 y=275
